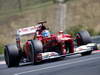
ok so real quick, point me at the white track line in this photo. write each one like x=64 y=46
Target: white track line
x=64 y=64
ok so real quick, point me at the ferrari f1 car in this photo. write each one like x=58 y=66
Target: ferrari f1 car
x=43 y=45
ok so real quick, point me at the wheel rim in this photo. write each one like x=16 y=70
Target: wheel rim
x=78 y=39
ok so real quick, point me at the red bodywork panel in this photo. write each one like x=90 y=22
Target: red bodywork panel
x=63 y=42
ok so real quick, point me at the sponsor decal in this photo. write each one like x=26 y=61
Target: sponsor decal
x=48 y=55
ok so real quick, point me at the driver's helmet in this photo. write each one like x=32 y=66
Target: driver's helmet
x=61 y=32
x=46 y=33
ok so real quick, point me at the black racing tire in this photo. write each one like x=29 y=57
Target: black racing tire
x=35 y=48
x=11 y=54
x=83 y=38
x=95 y=47
x=86 y=53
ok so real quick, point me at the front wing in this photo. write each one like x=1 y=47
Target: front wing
x=77 y=50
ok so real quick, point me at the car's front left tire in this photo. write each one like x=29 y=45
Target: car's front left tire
x=36 y=47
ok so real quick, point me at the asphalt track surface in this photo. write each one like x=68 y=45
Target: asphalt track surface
x=71 y=65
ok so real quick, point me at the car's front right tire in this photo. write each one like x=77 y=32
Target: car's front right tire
x=83 y=37
x=86 y=53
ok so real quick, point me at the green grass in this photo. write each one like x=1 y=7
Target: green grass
x=30 y=7
x=1 y=49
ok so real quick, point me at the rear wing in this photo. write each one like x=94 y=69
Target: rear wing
x=30 y=30
x=27 y=30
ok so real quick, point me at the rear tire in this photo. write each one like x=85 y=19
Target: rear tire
x=11 y=54
x=83 y=38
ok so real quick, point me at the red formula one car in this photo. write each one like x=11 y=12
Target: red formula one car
x=43 y=45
